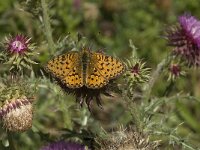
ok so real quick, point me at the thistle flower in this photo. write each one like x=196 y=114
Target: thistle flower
x=17 y=114
x=17 y=51
x=62 y=145
x=137 y=72
x=185 y=38
x=17 y=44
x=175 y=71
x=126 y=140
x=16 y=108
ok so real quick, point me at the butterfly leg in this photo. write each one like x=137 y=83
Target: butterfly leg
x=108 y=94
x=98 y=101
x=81 y=101
x=89 y=102
x=101 y=50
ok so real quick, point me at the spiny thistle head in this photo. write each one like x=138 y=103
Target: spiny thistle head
x=126 y=140
x=185 y=38
x=136 y=72
x=16 y=109
x=63 y=145
x=175 y=70
x=17 y=51
x=17 y=114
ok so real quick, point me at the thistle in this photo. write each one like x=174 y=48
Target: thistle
x=17 y=44
x=63 y=145
x=16 y=108
x=136 y=72
x=185 y=38
x=175 y=70
x=17 y=114
x=17 y=52
x=126 y=139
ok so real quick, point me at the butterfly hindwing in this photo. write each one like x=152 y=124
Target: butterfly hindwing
x=68 y=69
x=93 y=77
x=74 y=79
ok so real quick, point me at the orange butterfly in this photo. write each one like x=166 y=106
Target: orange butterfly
x=85 y=68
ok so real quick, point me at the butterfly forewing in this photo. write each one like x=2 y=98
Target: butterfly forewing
x=108 y=66
x=68 y=69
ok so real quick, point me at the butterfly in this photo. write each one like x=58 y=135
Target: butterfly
x=76 y=69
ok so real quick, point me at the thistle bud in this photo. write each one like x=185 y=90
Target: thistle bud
x=175 y=71
x=136 y=72
x=126 y=140
x=16 y=105
x=17 y=114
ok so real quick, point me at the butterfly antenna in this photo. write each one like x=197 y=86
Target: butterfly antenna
x=90 y=46
x=102 y=50
x=108 y=94
x=79 y=37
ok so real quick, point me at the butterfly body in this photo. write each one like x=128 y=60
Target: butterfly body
x=85 y=60
x=85 y=68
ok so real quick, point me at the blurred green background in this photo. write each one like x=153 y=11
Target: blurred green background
x=108 y=24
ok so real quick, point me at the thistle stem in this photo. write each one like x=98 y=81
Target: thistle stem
x=47 y=27
x=169 y=88
x=155 y=75
x=12 y=145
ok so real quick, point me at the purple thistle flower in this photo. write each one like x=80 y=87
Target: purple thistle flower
x=62 y=145
x=191 y=26
x=185 y=38
x=135 y=70
x=175 y=69
x=17 y=44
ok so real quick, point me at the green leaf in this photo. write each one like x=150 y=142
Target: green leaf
x=29 y=60
x=11 y=60
x=26 y=65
